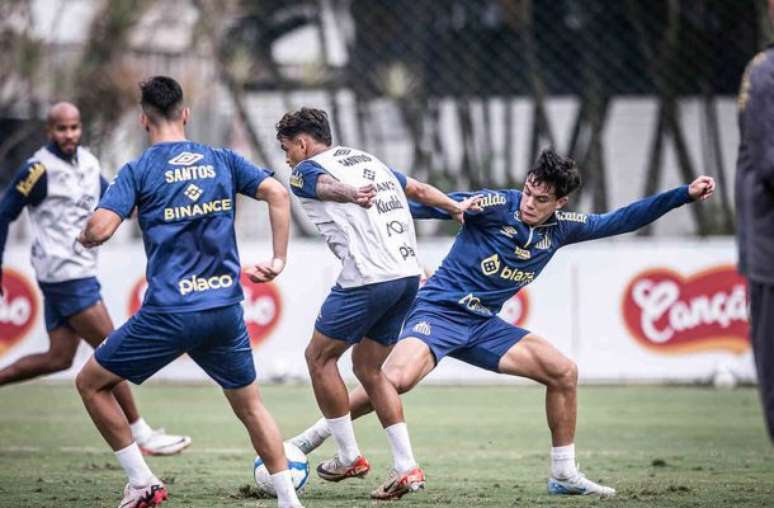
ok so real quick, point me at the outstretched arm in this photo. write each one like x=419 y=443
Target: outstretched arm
x=273 y=192
x=436 y=200
x=100 y=227
x=582 y=227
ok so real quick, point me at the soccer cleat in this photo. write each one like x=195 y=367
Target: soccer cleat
x=397 y=485
x=333 y=470
x=578 y=485
x=161 y=443
x=152 y=494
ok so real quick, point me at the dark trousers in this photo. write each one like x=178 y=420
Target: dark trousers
x=762 y=337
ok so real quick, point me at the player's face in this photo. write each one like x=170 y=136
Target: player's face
x=295 y=150
x=538 y=203
x=65 y=131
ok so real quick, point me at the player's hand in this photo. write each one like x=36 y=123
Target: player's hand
x=266 y=271
x=364 y=196
x=702 y=188
x=470 y=204
x=84 y=240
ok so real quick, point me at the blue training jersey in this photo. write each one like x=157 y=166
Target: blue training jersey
x=495 y=254
x=185 y=196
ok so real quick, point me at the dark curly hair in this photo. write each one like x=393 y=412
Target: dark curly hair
x=559 y=172
x=305 y=121
x=161 y=98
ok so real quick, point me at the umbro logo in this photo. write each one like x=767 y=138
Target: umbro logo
x=423 y=327
x=186 y=159
x=193 y=192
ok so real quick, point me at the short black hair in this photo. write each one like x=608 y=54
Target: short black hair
x=305 y=121
x=161 y=98
x=559 y=172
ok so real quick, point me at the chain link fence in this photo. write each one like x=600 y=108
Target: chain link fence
x=462 y=93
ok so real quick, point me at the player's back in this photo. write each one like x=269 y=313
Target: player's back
x=377 y=244
x=185 y=196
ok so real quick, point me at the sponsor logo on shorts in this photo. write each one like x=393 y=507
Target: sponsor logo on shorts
x=199 y=284
x=423 y=327
x=186 y=159
x=18 y=309
x=668 y=312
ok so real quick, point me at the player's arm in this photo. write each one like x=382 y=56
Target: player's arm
x=330 y=189
x=759 y=124
x=277 y=197
x=29 y=187
x=116 y=204
x=99 y=228
x=582 y=227
x=431 y=197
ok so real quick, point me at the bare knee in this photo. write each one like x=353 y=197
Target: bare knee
x=565 y=377
x=368 y=375
x=399 y=378
x=57 y=362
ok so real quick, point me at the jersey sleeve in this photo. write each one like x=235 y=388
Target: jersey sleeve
x=247 y=175
x=103 y=185
x=402 y=179
x=121 y=195
x=29 y=187
x=303 y=180
x=580 y=227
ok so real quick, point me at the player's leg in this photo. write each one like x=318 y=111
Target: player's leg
x=528 y=355
x=221 y=347
x=131 y=352
x=322 y=355
x=93 y=324
x=762 y=338
x=63 y=343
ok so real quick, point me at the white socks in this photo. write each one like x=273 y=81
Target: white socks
x=136 y=469
x=141 y=431
x=283 y=486
x=344 y=435
x=398 y=436
x=563 y=462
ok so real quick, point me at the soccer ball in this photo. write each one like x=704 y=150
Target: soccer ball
x=298 y=465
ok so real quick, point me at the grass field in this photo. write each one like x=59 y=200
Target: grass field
x=480 y=446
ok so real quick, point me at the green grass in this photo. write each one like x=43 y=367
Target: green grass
x=480 y=446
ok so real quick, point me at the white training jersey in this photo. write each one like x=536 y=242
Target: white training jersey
x=376 y=244
x=72 y=195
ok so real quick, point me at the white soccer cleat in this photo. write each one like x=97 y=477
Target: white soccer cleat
x=161 y=443
x=152 y=494
x=578 y=485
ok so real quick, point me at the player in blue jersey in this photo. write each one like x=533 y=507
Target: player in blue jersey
x=185 y=195
x=60 y=186
x=498 y=251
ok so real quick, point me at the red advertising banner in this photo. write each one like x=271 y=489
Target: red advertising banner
x=18 y=309
x=667 y=312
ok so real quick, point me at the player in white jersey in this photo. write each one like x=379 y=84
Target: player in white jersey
x=360 y=207
x=60 y=186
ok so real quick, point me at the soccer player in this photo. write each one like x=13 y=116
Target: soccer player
x=60 y=186
x=185 y=195
x=360 y=207
x=499 y=250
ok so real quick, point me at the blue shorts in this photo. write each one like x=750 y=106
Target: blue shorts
x=216 y=339
x=375 y=311
x=473 y=339
x=61 y=300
